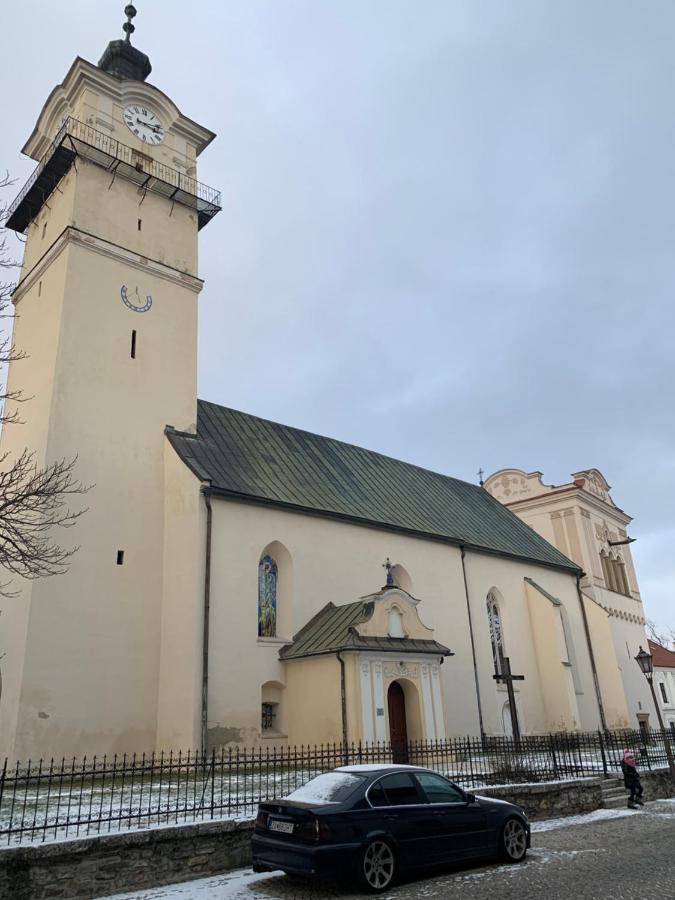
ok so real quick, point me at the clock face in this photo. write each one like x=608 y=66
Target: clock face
x=143 y=123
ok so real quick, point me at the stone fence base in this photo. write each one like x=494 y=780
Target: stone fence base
x=114 y=863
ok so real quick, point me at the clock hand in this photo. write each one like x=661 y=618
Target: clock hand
x=154 y=128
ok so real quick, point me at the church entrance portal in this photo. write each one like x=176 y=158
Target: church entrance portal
x=398 y=728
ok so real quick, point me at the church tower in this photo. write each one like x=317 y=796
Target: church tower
x=106 y=312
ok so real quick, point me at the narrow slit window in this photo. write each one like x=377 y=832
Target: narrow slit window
x=120 y=557
x=44 y=229
x=39 y=288
x=140 y=223
x=133 y=344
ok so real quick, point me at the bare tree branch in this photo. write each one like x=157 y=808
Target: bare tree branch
x=666 y=638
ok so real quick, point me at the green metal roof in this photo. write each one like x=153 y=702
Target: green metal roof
x=255 y=460
x=333 y=628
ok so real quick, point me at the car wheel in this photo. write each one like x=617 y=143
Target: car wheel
x=513 y=841
x=377 y=866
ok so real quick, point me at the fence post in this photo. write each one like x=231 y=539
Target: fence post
x=602 y=753
x=553 y=756
x=2 y=782
x=213 y=779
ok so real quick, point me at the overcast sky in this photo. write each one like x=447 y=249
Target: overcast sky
x=448 y=230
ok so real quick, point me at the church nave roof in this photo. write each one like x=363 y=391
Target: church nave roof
x=256 y=460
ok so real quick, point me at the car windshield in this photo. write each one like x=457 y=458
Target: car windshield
x=332 y=787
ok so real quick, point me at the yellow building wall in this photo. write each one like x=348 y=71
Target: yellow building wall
x=179 y=702
x=554 y=678
x=314 y=700
x=609 y=675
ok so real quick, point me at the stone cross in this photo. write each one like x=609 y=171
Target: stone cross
x=508 y=678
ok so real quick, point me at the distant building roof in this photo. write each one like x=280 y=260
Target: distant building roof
x=255 y=460
x=333 y=628
x=662 y=656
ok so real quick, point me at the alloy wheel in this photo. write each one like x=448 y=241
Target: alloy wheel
x=378 y=865
x=514 y=840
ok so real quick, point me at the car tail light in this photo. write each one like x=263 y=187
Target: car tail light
x=261 y=819
x=315 y=830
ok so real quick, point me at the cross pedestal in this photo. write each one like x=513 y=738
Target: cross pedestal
x=507 y=676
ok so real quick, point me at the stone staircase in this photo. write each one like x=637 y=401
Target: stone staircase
x=614 y=794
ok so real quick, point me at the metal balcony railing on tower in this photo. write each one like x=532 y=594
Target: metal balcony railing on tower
x=75 y=139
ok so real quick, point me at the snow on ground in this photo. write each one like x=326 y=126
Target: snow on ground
x=244 y=884
x=231 y=886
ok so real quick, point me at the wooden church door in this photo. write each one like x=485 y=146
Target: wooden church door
x=398 y=729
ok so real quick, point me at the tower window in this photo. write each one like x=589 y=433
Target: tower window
x=39 y=288
x=120 y=557
x=140 y=223
x=133 y=344
x=44 y=229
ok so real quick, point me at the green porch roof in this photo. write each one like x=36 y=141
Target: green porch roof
x=333 y=628
x=254 y=460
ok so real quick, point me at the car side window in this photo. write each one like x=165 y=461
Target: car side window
x=376 y=795
x=437 y=790
x=400 y=790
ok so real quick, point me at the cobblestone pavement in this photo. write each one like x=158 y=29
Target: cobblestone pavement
x=619 y=855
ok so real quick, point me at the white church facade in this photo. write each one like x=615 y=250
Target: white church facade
x=240 y=582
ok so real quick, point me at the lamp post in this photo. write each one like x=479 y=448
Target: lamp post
x=646 y=663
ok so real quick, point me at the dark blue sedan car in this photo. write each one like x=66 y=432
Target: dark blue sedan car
x=372 y=822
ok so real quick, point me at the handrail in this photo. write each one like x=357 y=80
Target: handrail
x=37 y=170
x=81 y=134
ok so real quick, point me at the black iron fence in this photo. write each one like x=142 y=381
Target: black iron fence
x=55 y=799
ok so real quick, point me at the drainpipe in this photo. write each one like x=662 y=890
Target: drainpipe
x=207 y=613
x=473 y=644
x=343 y=699
x=587 y=631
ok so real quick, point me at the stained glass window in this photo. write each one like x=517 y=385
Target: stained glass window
x=496 y=635
x=267 y=597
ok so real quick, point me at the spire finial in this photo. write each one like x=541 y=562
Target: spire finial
x=129 y=27
x=480 y=474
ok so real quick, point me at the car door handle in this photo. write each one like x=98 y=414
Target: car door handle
x=391 y=817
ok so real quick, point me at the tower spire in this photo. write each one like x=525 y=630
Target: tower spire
x=121 y=58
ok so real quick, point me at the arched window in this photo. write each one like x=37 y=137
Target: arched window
x=272 y=709
x=267 y=597
x=496 y=633
x=614 y=572
x=395 y=623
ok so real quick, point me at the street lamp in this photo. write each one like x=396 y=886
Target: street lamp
x=646 y=663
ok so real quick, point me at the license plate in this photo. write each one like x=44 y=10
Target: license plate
x=283 y=827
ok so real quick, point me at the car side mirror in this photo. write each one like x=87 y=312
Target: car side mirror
x=470 y=798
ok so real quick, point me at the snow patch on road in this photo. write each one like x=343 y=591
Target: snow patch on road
x=223 y=887
x=598 y=815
